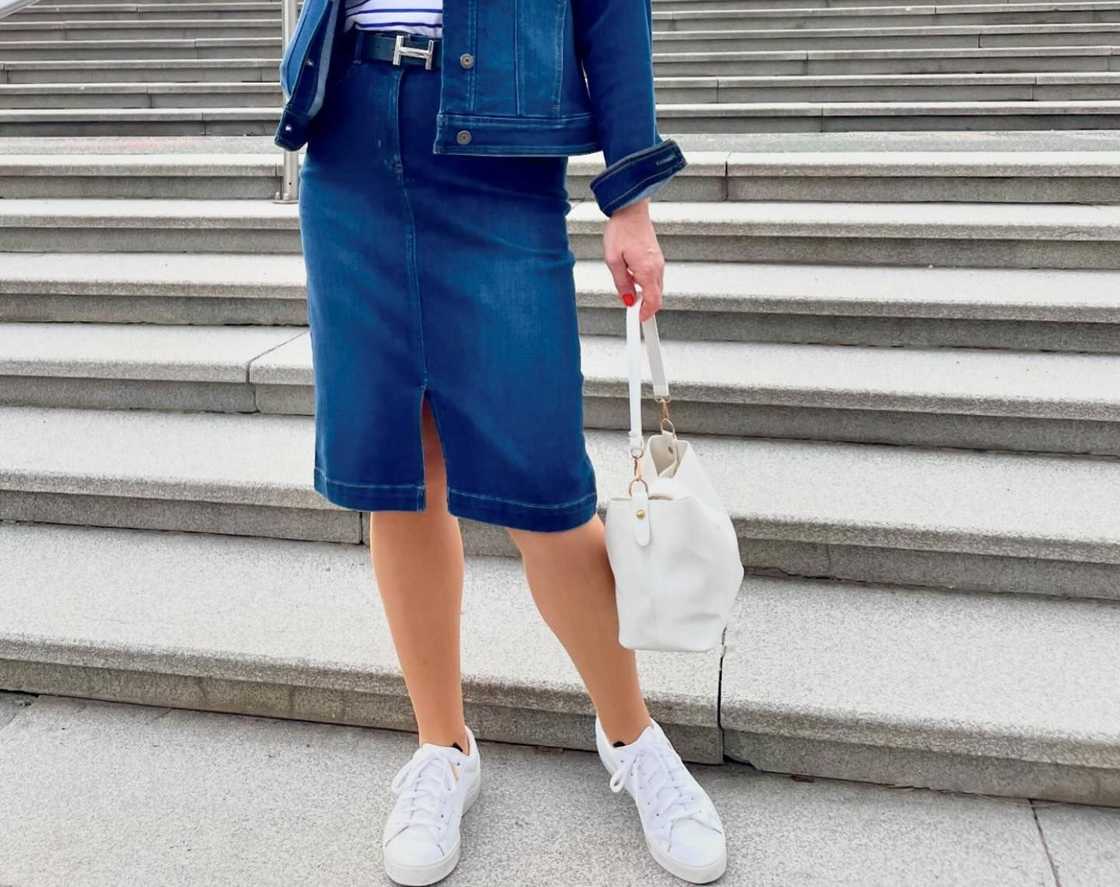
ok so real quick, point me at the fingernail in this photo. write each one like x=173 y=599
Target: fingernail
x=628 y=299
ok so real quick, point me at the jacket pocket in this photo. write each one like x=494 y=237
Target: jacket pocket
x=539 y=65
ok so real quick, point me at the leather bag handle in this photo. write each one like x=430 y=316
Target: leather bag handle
x=634 y=330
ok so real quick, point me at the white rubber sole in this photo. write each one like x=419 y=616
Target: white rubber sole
x=422 y=875
x=691 y=873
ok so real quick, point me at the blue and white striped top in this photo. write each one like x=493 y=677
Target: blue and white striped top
x=423 y=17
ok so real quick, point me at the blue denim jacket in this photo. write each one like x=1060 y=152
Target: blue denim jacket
x=521 y=77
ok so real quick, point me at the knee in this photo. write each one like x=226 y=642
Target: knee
x=558 y=546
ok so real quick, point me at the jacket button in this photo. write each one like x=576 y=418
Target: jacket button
x=466 y=60
x=463 y=136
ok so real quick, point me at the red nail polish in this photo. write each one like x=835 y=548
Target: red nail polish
x=628 y=299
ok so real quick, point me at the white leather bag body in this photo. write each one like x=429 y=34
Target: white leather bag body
x=671 y=544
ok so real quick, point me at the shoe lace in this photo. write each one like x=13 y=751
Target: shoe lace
x=422 y=786
x=663 y=772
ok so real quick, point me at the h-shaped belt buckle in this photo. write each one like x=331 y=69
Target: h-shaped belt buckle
x=416 y=52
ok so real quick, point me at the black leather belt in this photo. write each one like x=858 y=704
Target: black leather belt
x=395 y=47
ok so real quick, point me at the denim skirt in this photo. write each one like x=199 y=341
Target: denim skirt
x=446 y=276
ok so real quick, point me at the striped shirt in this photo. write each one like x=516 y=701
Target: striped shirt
x=423 y=17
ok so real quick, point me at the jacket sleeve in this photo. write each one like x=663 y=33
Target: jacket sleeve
x=614 y=41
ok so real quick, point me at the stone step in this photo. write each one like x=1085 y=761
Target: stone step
x=872 y=144
x=1032 y=60
x=154 y=94
x=924 y=37
x=660 y=6
x=692 y=90
x=979 y=521
x=275 y=657
x=179 y=28
x=958 y=44
x=81 y=5
x=61 y=13
x=974 y=399
x=250 y=168
x=140 y=22
x=922 y=307
x=173 y=170
x=900 y=686
x=92 y=40
x=864 y=88
x=917 y=177
x=45 y=49
x=940 y=234
x=1000 y=695
x=741 y=117
x=160 y=288
x=878 y=143
x=211 y=773
x=727 y=117
x=140 y=70
x=1062 y=60
x=919 y=15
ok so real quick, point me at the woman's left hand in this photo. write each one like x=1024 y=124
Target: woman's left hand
x=632 y=253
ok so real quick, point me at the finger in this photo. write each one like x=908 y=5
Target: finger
x=650 y=281
x=623 y=281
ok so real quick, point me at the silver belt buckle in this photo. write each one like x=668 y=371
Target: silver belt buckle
x=415 y=52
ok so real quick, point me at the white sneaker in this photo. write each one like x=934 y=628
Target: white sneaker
x=434 y=789
x=683 y=830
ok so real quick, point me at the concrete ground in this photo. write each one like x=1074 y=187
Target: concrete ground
x=103 y=793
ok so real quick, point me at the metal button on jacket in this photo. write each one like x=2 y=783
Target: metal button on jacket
x=463 y=136
x=466 y=60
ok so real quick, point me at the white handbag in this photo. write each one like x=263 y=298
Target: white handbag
x=671 y=544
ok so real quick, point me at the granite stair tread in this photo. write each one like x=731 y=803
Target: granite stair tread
x=805 y=491
x=932 y=220
x=973 y=381
x=990 y=293
x=1017 y=681
x=304 y=616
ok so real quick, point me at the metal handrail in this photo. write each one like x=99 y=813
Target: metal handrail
x=289 y=177
x=7 y=7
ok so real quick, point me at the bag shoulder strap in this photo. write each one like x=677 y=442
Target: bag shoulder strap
x=634 y=329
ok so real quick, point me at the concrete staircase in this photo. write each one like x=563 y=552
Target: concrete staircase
x=722 y=65
x=898 y=351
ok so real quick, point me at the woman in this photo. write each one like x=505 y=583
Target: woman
x=446 y=351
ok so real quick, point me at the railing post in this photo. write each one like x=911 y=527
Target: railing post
x=289 y=180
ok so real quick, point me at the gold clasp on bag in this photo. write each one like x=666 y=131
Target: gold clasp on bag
x=637 y=478
x=666 y=422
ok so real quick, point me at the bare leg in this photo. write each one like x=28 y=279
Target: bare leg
x=573 y=586
x=418 y=560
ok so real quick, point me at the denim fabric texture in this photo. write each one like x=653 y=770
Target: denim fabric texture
x=520 y=77
x=447 y=276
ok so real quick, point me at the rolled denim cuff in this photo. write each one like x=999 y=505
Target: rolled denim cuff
x=637 y=175
x=291 y=131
